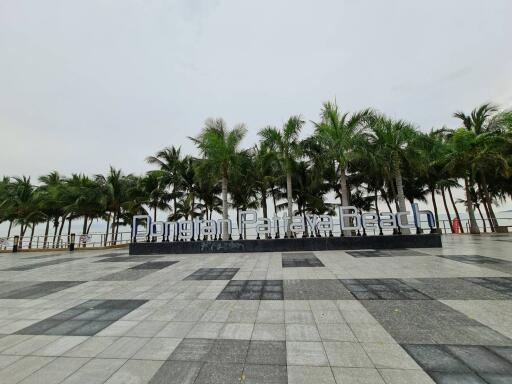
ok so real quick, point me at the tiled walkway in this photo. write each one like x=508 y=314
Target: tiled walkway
x=363 y=317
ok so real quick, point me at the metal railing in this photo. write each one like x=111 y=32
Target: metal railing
x=102 y=240
x=61 y=242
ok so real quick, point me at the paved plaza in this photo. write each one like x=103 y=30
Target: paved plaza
x=365 y=317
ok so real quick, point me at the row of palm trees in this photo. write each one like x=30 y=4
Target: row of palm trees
x=361 y=158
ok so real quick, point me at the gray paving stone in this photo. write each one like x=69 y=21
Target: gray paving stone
x=315 y=289
x=383 y=289
x=267 y=352
x=228 y=351
x=436 y=358
x=192 y=350
x=177 y=372
x=213 y=274
x=252 y=290
x=481 y=360
x=265 y=374
x=214 y=373
x=155 y=265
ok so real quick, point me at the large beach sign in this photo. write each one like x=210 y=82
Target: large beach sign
x=348 y=219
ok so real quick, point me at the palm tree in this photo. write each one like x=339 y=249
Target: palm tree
x=263 y=175
x=287 y=150
x=392 y=139
x=486 y=119
x=85 y=199
x=50 y=193
x=462 y=147
x=23 y=204
x=220 y=148
x=155 y=191
x=6 y=211
x=170 y=162
x=339 y=134
x=243 y=188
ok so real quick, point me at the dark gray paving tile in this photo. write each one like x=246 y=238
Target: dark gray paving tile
x=192 y=350
x=430 y=321
x=454 y=289
x=482 y=261
x=126 y=275
x=86 y=319
x=315 y=289
x=113 y=314
x=42 y=256
x=37 y=290
x=90 y=314
x=504 y=352
x=177 y=372
x=213 y=274
x=118 y=304
x=300 y=259
x=265 y=374
x=502 y=285
x=383 y=289
x=29 y=267
x=114 y=254
x=90 y=328
x=252 y=290
x=386 y=253
x=122 y=258
x=476 y=259
x=456 y=378
x=480 y=359
x=267 y=352
x=39 y=328
x=64 y=328
x=435 y=358
x=228 y=351
x=492 y=378
x=214 y=373
x=461 y=363
x=155 y=265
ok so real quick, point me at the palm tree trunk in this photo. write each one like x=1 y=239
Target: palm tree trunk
x=70 y=219
x=108 y=227
x=89 y=226
x=401 y=198
x=225 y=235
x=84 y=227
x=275 y=208
x=289 y=197
x=387 y=202
x=434 y=203
x=9 y=230
x=113 y=228
x=31 y=235
x=264 y=202
x=455 y=209
x=482 y=199
x=345 y=200
x=117 y=229
x=443 y=194
x=46 y=230
x=55 y=228
x=481 y=217
x=473 y=225
x=60 y=230
x=488 y=201
x=22 y=233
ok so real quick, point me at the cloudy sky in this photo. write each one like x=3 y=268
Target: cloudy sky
x=85 y=84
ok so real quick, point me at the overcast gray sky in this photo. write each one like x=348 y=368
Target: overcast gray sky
x=85 y=84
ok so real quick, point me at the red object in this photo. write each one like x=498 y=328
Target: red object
x=455 y=226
